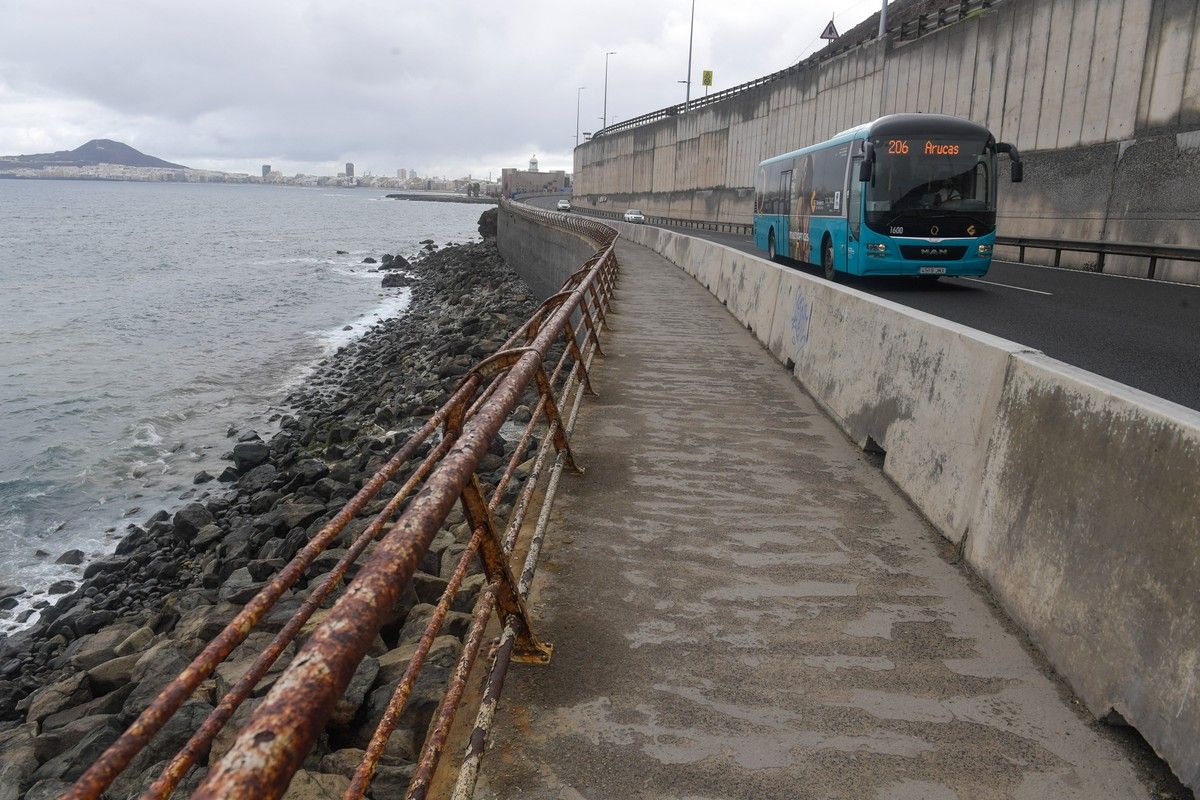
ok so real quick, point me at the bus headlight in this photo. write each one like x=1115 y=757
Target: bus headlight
x=877 y=249
x=985 y=250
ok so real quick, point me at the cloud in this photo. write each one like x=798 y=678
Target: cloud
x=446 y=87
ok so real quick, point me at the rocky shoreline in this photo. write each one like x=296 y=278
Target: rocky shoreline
x=74 y=680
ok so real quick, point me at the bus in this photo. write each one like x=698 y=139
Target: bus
x=907 y=194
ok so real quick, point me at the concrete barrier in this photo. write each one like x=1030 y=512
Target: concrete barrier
x=1076 y=498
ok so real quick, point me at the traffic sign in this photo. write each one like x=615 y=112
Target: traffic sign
x=830 y=31
x=706 y=77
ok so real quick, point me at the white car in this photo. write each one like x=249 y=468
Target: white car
x=564 y=205
x=633 y=215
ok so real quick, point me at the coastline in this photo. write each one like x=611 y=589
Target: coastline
x=74 y=679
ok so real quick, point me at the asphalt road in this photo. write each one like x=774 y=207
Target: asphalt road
x=1142 y=333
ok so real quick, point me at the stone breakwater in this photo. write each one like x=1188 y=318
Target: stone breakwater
x=74 y=680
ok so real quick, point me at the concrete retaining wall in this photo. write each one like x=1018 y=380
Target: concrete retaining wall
x=1102 y=97
x=1076 y=498
x=545 y=257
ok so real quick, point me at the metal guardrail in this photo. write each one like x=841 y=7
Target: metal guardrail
x=273 y=744
x=1153 y=252
x=674 y=222
x=907 y=29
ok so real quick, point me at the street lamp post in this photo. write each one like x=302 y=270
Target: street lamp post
x=604 y=119
x=578 y=94
x=691 y=35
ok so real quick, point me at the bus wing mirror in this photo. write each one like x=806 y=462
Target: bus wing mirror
x=1018 y=169
x=866 y=170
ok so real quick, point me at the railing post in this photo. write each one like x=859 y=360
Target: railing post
x=1057 y=256
x=1153 y=266
x=1021 y=257
x=1100 y=262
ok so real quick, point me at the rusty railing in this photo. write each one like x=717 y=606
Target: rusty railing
x=281 y=731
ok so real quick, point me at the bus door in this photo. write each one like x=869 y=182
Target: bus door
x=785 y=209
x=854 y=203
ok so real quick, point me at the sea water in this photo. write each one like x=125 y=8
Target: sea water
x=139 y=323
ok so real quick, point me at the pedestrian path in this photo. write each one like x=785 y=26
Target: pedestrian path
x=743 y=606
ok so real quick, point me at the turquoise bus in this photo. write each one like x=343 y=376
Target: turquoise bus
x=907 y=194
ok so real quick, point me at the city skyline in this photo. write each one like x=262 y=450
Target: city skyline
x=304 y=88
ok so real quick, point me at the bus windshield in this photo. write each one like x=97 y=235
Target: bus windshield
x=920 y=177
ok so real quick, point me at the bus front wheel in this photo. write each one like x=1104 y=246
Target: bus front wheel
x=827 y=259
x=771 y=254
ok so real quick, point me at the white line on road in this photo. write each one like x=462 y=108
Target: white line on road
x=1008 y=286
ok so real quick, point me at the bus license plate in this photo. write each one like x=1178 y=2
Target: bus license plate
x=933 y=270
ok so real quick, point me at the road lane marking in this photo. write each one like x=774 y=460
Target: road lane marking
x=1008 y=286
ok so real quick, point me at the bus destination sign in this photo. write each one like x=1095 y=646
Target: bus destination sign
x=904 y=147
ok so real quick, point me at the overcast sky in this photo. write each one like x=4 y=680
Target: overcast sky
x=447 y=87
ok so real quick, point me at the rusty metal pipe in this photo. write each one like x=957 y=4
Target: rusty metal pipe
x=273 y=744
x=100 y=775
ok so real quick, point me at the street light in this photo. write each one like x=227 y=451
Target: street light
x=578 y=94
x=604 y=119
x=691 y=34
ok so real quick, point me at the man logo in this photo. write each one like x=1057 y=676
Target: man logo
x=970 y=230
x=933 y=231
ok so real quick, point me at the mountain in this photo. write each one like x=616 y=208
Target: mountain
x=97 y=151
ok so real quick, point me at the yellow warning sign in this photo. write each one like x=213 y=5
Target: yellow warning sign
x=706 y=77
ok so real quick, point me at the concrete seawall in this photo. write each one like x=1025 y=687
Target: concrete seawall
x=1074 y=497
x=545 y=257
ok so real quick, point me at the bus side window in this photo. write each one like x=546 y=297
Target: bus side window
x=785 y=193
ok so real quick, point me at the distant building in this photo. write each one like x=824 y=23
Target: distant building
x=349 y=170
x=266 y=170
x=518 y=181
x=402 y=174
x=533 y=164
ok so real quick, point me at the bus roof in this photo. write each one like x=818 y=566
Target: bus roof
x=894 y=125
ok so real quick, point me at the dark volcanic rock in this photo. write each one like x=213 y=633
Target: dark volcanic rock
x=395 y=280
x=247 y=455
x=487 y=223
x=70 y=557
x=190 y=519
x=107 y=645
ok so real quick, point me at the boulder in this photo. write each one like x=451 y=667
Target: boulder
x=308 y=785
x=232 y=670
x=188 y=520
x=443 y=653
x=239 y=587
x=55 y=742
x=114 y=673
x=247 y=455
x=395 y=280
x=83 y=750
x=88 y=651
x=352 y=699
x=71 y=557
x=135 y=642
x=17 y=759
x=205 y=622
x=70 y=691
x=153 y=670
x=258 y=478
x=47 y=790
